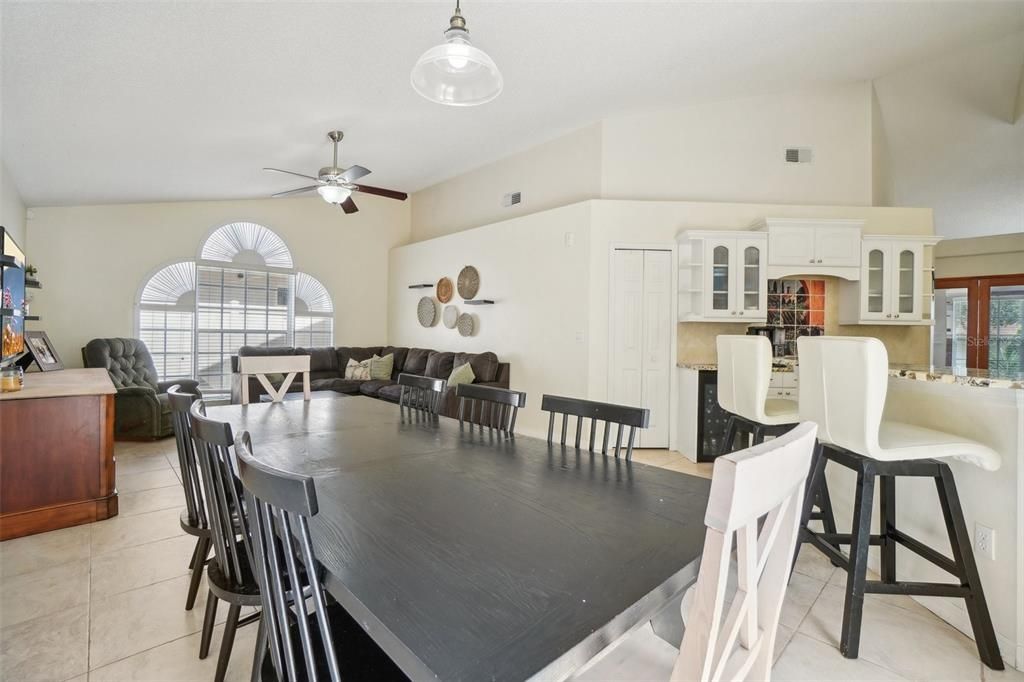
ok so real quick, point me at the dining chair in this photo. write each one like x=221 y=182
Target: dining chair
x=303 y=640
x=260 y=366
x=499 y=407
x=420 y=394
x=732 y=612
x=621 y=415
x=230 y=574
x=193 y=518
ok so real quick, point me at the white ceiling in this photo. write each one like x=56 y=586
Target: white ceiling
x=127 y=102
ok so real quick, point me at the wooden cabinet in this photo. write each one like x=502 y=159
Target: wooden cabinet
x=723 y=277
x=894 y=286
x=812 y=247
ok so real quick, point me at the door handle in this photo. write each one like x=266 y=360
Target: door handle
x=811 y=261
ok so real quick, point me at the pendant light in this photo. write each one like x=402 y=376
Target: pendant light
x=456 y=73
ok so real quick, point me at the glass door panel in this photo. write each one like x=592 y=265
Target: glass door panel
x=1006 y=329
x=720 y=278
x=751 y=278
x=876 y=281
x=906 y=289
x=951 y=328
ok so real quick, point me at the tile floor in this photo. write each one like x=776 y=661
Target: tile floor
x=105 y=601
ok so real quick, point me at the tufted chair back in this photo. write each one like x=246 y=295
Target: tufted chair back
x=127 y=360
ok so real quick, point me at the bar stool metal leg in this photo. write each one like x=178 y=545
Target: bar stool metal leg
x=887 y=526
x=860 y=542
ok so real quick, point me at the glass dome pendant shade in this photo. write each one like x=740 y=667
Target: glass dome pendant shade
x=334 y=194
x=456 y=73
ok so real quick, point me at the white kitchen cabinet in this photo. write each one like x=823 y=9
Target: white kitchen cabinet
x=894 y=286
x=812 y=247
x=783 y=385
x=722 y=277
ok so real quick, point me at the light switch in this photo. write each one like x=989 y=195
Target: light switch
x=570 y=238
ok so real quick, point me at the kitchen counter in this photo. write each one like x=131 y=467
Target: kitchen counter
x=947 y=375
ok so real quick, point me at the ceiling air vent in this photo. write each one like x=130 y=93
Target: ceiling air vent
x=798 y=155
x=511 y=199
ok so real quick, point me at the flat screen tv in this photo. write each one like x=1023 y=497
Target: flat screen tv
x=12 y=290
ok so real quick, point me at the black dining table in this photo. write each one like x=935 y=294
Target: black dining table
x=468 y=555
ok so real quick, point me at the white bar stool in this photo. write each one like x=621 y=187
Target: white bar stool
x=843 y=382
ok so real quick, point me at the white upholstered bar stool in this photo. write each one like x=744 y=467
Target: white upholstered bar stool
x=843 y=383
x=732 y=612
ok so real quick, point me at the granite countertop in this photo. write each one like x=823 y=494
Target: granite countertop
x=945 y=375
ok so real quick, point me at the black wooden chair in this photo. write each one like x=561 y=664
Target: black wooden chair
x=499 y=407
x=303 y=644
x=621 y=415
x=230 y=574
x=420 y=395
x=193 y=519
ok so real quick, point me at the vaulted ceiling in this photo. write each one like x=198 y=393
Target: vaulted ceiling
x=127 y=102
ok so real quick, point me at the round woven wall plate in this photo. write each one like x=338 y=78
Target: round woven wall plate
x=426 y=311
x=450 y=316
x=465 y=324
x=444 y=290
x=469 y=282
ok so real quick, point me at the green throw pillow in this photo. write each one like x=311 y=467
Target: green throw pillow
x=463 y=374
x=380 y=367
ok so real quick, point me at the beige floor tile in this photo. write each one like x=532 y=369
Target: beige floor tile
x=134 y=567
x=129 y=504
x=43 y=591
x=128 y=531
x=147 y=480
x=902 y=601
x=43 y=550
x=670 y=459
x=808 y=659
x=127 y=466
x=129 y=448
x=1008 y=675
x=812 y=563
x=801 y=593
x=178 y=661
x=79 y=678
x=131 y=622
x=916 y=646
x=53 y=647
x=782 y=639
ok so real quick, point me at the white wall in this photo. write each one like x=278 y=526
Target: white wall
x=12 y=210
x=733 y=151
x=93 y=259
x=540 y=288
x=559 y=172
x=955 y=138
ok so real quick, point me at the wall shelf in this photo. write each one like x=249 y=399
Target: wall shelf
x=32 y=318
x=479 y=301
x=33 y=284
x=421 y=286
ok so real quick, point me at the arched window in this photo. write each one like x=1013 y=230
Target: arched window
x=242 y=291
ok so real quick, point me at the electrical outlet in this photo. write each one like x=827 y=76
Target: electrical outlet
x=570 y=238
x=984 y=541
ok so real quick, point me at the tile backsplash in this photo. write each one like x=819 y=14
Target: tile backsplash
x=797 y=308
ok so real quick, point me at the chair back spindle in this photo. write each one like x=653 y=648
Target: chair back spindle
x=191 y=478
x=620 y=415
x=498 y=407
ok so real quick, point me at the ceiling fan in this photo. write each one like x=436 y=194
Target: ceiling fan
x=336 y=185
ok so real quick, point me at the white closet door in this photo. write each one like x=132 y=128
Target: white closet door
x=628 y=325
x=657 y=346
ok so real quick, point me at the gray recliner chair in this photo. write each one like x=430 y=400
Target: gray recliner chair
x=141 y=408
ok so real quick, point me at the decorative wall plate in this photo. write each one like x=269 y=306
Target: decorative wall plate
x=469 y=282
x=444 y=290
x=450 y=316
x=426 y=311
x=465 y=324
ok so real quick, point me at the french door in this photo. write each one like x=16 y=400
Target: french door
x=980 y=323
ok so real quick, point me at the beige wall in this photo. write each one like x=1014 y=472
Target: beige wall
x=980 y=256
x=562 y=171
x=539 y=283
x=12 y=210
x=93 y=259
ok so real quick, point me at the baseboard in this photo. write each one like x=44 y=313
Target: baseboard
x=949 y=611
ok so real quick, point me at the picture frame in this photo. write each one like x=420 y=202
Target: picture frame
x=42 y=351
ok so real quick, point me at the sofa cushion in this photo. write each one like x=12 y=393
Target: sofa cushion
x=371 y=388
x=320 y=359
x=440 y=364
x=382 y=366
x=400 y=354
x=337 y=385
x=346 y=353
x=391 y=392
x=416 y=361
x=314 y=375
x=485 y=365
x=127 y=361
x=263 y=350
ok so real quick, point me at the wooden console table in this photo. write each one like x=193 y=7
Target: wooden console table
x=57 y=452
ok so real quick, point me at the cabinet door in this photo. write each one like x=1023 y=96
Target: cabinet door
x=658 y=335
x=838 y=246
x=720 y=278
x=876 y=282
x=751 y=279
x=906 y=274
x=791 y=245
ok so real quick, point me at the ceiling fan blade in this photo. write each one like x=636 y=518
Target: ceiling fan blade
x=349 y=206
x=280 y=170
x=293 y=191
x=380 y=191
x=354 y=173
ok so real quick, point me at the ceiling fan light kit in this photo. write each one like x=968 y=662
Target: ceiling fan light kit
x=455 y=72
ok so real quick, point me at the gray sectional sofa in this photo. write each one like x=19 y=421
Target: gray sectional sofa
x=327 y=371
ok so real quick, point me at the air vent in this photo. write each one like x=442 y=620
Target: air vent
x=798 y=155
x=511 y=199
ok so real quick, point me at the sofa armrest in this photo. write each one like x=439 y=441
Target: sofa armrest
x=187 y=386
x=136 y=391
x=136 y=407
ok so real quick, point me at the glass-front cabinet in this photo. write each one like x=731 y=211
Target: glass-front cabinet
x=723 y=277
x=892 y=284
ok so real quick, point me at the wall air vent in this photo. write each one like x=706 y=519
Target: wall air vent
x=798 y=155
x=511 y=199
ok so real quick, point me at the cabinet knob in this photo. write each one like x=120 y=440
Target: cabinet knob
x=897 y=315
x=741 y=312
x=734 y=312
x=811 y=261
x=819 y=260
x=889 y=315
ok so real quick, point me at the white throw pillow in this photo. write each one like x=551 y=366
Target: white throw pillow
x=358 y=370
